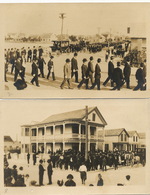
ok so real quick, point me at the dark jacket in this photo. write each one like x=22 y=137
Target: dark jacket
x=34 y=69
x=41 y=62
x=140 y=75
x=100 y=182
x=97 y=72
x=117 y=75
x=127 y=70
x=110 y=68
x=90 y=68
x=49 y=169
x=70 y=183
x=74 y=64
x=84 y=70
x=50 y=64
x=41 y=170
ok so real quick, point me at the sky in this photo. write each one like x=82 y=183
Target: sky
x=131 y=114
x=81 y=18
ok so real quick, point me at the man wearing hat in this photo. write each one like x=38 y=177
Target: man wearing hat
x=41 y=173
x=84 y=70
x=127 y=73
x=110 y=72
x=91 y=69
x=35 y=72
x=140 y=78
x=67 y=74
x=70 y=181
x=19 y=69
x=117 y=77
x=74 y=67
x=49 y=172
x=51 y=68
x=97 y=75
x=41 y=63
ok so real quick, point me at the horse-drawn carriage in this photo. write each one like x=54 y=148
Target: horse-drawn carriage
x=61 y=46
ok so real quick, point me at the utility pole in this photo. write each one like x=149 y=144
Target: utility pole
x=86 y=132
x=62 y=17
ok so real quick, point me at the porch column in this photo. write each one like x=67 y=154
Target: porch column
x=45 y=151
x=30 y=134
x=63 y=136
x=104 y=139
x=96 y=138
x=37 y=146
x=89 y=137
x=80 y=137
x=54 y=149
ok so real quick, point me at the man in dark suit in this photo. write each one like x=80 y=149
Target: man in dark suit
x=41 y=173
x=40 y=51
x=97 y=75
x=34 y=53
x=51 y=68
x=29 y=57
x=35 y=72
x=74 y=67
x=84 y=70
x=127 y=73
x=41 y=63
x=49 y=171
x=140 y=78
x=19 y=69
x=91 y=70
x=110 y=72
x=117 y=77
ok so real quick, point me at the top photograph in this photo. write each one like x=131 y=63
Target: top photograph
x=74 y=50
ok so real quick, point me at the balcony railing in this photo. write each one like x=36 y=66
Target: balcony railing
x=65 y=136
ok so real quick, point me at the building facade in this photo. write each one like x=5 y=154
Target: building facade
x=133 y=140
x=64 y=131
x=116 y=139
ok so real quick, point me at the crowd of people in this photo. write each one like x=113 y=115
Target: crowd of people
x=70 y=160
x=91 y=73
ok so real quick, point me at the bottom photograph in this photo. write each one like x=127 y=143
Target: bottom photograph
x=74 y=143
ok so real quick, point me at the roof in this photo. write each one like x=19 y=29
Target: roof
x=142 y=135
x=114 y=132
x=76 y=115
x=7 y=139
x=131 y=133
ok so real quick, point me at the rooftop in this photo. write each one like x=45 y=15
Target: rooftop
x=8 y=139
x=113 y=132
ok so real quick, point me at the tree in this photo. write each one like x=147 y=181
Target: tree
x=73 y=38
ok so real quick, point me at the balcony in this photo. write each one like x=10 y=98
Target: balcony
x=60 y=137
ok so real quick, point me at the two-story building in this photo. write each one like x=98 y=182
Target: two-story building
x=64 y=131
x=116 y=139
x=133 y=140
x=142 y=140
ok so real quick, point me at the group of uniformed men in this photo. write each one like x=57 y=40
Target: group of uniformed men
x=89 y=72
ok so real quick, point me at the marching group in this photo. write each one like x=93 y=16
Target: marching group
x=90 y=73
x=70 y=160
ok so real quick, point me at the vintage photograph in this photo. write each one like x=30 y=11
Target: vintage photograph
x=55 y=144
x=73 y=49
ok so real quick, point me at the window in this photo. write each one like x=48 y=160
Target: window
x=93 y=117
x=92 y=130
x=75 y=128
x=125 y=137
x=134 y=138
x=26 y=148
x=121 y=137
x=26 y=131
x=33 y=132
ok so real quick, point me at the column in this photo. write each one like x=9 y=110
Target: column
x=54 y=149
x=80 y=137
x=96 y=138
x=45 y=151
x=89 y=136
x=63 y=136
x=104 y=140
x=36 y=146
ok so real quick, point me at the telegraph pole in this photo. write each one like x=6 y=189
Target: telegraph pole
x=86 y=132
x=62 y=17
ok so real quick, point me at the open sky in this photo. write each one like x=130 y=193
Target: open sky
x=81 y=18
x=131 y=114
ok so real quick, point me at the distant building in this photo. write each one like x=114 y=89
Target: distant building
x=142 y=140
x=133 y=140
x=9 y=144
x=116 y=138
x=64 y=131
x=46 y=37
